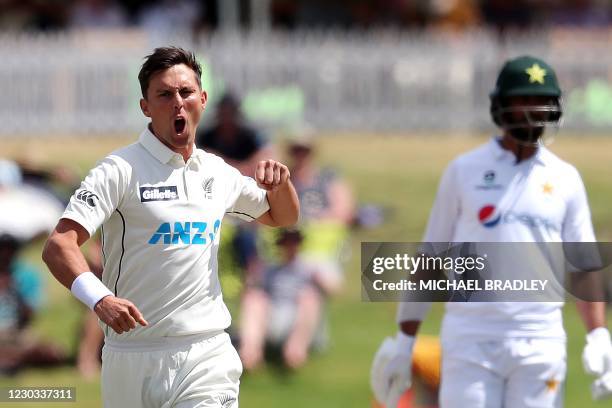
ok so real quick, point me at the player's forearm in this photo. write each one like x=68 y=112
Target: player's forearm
x=64 y=258
x=410 y=315
x=593 y=314
x=284 y=205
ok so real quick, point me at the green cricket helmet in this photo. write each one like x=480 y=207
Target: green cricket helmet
x=521 y=79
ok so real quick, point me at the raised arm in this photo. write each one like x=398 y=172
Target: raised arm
x=274 y=177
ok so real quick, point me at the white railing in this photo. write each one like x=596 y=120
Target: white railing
x=86 y=82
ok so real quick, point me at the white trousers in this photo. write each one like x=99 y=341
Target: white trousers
x=182 y=373
x=509 y=373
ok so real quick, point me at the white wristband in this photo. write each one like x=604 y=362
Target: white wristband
x=89 y=289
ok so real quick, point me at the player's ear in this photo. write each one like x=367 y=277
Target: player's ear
x=204 y=98
x=144 y=106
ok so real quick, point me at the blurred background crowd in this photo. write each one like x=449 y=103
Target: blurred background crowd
x=301 y=14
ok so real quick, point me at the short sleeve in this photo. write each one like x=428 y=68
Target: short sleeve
x=98 y=196
x=245 y=199
x=577 y=225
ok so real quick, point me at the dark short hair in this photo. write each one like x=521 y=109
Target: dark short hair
x=164 y=58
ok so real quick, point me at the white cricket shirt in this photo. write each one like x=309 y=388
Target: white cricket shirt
x=485 y=196
x=161 y=222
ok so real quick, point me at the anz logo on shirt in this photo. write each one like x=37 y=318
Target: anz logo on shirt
x=189 y=232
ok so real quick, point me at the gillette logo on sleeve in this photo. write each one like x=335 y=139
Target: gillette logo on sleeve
x=159 y=193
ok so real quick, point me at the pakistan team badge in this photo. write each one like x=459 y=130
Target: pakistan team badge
x=536 y=74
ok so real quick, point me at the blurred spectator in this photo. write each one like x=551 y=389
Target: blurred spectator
x=325 y=196
x=97 y=14
x=326 y=206
x=26 y=212
x=230 y=137
x=284 y=311
x=20 y=297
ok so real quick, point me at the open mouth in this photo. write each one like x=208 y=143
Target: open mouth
x=179 y=125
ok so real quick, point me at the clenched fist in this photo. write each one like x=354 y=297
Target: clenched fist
x=271 y=174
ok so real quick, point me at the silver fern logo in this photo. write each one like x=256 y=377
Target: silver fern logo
x=207 y=185
x=226 y=400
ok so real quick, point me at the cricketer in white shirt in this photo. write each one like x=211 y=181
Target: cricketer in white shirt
x=508 y=353
x=512 y=189
x=160 y=203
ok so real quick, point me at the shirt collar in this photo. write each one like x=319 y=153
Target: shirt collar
x=161 y=152
x=499 y=153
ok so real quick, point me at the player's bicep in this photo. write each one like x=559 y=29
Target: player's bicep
x=71 y=230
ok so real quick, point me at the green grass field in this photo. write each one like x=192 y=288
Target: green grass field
x=398 y=173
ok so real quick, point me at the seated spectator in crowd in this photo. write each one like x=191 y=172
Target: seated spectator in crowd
x=326 y=207
x=283 y=312
x=20 y=297
x=28 y=211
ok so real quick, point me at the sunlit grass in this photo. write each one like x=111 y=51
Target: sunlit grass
x=397 y=172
